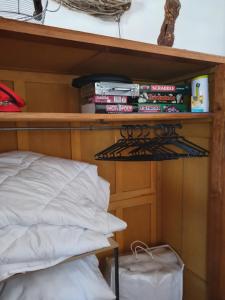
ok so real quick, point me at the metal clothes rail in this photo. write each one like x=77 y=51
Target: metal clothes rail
x=134 y=127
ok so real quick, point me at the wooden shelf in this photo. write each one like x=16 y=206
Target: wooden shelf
x=77 y=117
x=40 y=48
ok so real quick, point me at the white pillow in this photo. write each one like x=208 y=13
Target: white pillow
x=76 y=280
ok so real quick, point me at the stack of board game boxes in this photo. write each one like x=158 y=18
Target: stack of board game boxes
x=109 y=97
x=156 y=98
x=113 y=97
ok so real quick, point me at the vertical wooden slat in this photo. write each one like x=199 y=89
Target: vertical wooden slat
x=216 y=207
x=153 y=222
x=195 y=199
x=8 y=140
x=172 y=192
x=75 y=143
x=22 y=136
x=159 y=204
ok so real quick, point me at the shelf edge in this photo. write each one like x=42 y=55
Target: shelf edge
x=77 y=117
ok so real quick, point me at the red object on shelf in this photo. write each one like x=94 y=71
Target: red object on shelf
x=9 y=101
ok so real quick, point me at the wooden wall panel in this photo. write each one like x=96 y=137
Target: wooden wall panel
x=51 y=97
x=184 y=206
x=133 y=176
x=51 y=143
x=172 y=189
x=8 y=141
x=139 y=225
x=195 y=195
x=93 y=142
x=194 y=287
x=133 y=185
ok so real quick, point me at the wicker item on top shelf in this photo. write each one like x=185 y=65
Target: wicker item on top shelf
x=99 y=8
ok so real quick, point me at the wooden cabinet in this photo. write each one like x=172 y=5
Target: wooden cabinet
x=178 y=202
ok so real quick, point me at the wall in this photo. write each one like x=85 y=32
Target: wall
x=200 y=26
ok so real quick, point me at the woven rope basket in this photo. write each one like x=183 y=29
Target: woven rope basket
x=99 y=8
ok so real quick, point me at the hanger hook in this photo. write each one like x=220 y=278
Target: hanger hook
x=147 y=131
x=130 y=131
x=123 y=131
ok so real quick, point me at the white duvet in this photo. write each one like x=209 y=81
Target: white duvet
x=76 y=280
x=50 y=209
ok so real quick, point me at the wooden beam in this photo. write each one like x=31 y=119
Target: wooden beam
x=216 y=206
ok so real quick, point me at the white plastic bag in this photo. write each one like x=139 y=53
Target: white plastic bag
x=149 y=273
